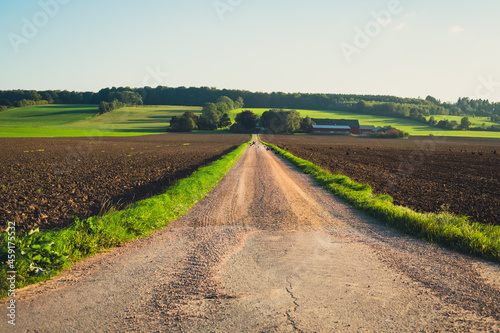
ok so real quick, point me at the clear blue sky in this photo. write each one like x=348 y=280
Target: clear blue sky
x=439 y=48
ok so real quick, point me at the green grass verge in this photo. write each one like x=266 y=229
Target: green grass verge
x=40 y=255
x=455 y=232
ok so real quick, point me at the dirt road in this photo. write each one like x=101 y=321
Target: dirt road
x=268 y=251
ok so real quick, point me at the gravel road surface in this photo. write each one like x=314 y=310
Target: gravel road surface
x=268 y=251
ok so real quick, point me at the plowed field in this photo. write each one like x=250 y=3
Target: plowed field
x=461 y=175
x=47 y=182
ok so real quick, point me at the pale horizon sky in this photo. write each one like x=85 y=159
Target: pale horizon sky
x=447 y=49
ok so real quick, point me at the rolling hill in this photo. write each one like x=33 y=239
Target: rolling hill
x=82 y=120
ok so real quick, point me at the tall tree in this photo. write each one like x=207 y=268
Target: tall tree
x=209 y=119
x=193 y=116
x=292 y=121
x=432 y=121
x=465 y=123
x=174 y=123
x=281 y=121
x=222 y=108
x=225 y=121
x=186 y=124
x=226 y=100
x=306 y=124
x=104 y=107
x=239 y=104
x=246 y=120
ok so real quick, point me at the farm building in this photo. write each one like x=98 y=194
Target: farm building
x=366 y=130
x=336 y=126
x=330 y=129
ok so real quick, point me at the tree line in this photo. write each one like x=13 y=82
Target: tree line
x=215 y=116
x=414 y=108
x=118 y=100
x=274 y=121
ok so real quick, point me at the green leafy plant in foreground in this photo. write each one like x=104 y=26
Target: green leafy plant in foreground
x=36 y=257
x=37 y=254
x=43 y=254
x=455 y=232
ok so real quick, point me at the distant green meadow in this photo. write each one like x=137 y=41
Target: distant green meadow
x=475 y=121
x=46 y=115
x=413 y=127
x=142 y=119
x=82 y=121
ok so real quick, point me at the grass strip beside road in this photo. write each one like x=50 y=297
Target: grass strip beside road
x=40 y=255
x=455 y=232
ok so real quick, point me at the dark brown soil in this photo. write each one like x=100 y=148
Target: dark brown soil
x=461 y=175
x=47 y=182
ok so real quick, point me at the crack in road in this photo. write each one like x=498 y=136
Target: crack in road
x=296 y=305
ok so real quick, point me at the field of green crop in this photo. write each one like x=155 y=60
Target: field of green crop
x=142 y=119
x=81 y=120
x=46 y=115
x=407 y=125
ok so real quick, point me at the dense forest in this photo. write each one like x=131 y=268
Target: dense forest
x=418 y=109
